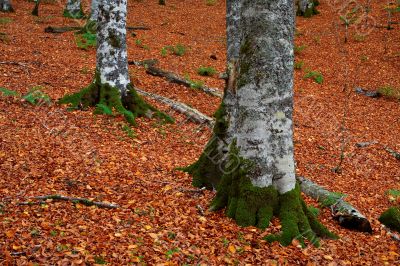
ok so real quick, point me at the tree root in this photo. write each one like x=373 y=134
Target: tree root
x=394 y=153
x=83 y=201
x=106 y=98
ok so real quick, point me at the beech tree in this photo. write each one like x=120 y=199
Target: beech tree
x=5 y=6
x=307 y=8
x=73 y=9
x=250 y=157
x=111 y=88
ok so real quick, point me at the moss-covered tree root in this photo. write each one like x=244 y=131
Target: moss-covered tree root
x=391 y=218
x=208 y=169
x=107 y=98
x=255 y=206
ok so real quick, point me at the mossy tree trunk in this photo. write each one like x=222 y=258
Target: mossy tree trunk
x=5 y=6
x=112 y=88
x=307 y=8
x=91 y=23
x=257 y=177
x=73 y=9
x=207 y=171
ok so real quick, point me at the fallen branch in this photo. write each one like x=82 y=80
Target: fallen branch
x=347 y=216
x=372 y=94
x=391 y=234
x=172 y=77
x=365 y=144
x=193 y=114
x=51 y=29
x=393 y=153
x=83 y=201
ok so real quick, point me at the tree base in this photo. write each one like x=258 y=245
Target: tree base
x=310 y=11
x=7 y=9
x=254 y=206
x=76 y=15
x=106 y=98
x=208 y=169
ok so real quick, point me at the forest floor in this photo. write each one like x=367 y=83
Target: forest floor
x=47 y=149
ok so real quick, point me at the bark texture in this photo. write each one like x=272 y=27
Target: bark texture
x=94 y=10
x=73 y=9
x=5 y=6
x=307 y=8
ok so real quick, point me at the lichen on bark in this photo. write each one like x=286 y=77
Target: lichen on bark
x=73 y=9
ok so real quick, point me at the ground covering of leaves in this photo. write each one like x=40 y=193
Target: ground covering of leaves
x=49 y=150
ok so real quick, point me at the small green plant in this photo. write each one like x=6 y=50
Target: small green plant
x=298 y=65
x=211 y=2
x=99 y=260
x=8 y=93
x=139 y=43
x=129 y=132
x=61 y=247
x=5 y=20
x=86 y=41
x=359 y=37
x=315 y=75
x=85 y=70
x=171 y=235
x=349 y=18
x=194 y=84
x=170 y=253
x=53 y=233
x=393 y=192
x=299 y=48
x=364 y=58
x=206 y=71
x=390 y=92
x=35 y=232
x=314 y=210
x=178 y=50
x=225 y=242
x=36 y=97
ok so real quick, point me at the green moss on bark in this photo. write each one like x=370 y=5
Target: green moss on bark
x=391 y=218
x=249 y=205
x=77 y=15
x=309 y=12
x=207 y=170
x=104 y=96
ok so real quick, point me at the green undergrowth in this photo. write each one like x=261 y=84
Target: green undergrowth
x=314 y=75
x=86 y=40
x=34 y=96
x=107 y=100
x=391 y=218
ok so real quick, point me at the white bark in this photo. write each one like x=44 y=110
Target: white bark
x=264 y=92
x=73 y=7
x=112 y=58
x=5 y=6
x=94 y=10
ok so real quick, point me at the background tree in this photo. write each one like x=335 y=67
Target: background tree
x=307 y=8
x=73 y=9
x=111 y=87
x=257 y=179
x=5 y=6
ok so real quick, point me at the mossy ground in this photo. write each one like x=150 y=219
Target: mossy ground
x=106 y=99
x=391 y=218
x=254 y=206
x=208 y=169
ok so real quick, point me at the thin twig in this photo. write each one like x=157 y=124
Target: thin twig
x=83 y=201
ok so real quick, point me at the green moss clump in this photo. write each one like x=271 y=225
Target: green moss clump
x=391 y=218
x=207 y=170
x=89 y=27
x=106 y=98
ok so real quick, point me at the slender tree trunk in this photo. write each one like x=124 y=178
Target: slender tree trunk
x=94 y=10
x=209 y=168
x=73 y=9
x=257 y=179
x=307 y=8
x=5 y=6
x=112 y=88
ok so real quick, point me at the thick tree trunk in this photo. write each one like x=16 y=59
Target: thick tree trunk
x=112 y=88
x=257 y=174
x=94 y=10
x=73 y=9
x=5 y=6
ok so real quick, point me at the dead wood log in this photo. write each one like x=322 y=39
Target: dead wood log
x=346 y=215
x=51 y=29
x=83 y=201
x=193 y=114
x=172 y=77
x=393 y=153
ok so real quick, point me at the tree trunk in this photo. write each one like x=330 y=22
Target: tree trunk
x=112 y=88
x=73 y=9
x=257 y=175
x=307 y=8
x=5 y=6
x=208 y=169
x=94 y=10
